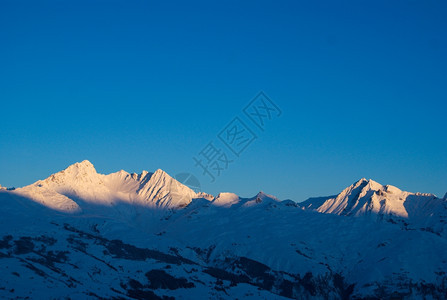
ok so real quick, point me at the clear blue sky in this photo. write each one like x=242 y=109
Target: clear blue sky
x=362 y=86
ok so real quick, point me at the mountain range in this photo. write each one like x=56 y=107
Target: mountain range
x=82 y=235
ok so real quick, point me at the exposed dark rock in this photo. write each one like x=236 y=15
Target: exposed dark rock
x=4 y=243
x=159 y=279
x=23 y=246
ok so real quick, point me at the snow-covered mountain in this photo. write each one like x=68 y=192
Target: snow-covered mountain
x=84 y=235
x=367 y=198
x=79 y=185
x=370 y=197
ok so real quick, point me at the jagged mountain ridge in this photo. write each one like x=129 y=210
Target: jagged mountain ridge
x=81 y=183
x=79 y=187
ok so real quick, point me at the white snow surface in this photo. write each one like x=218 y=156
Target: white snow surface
x=379 y=239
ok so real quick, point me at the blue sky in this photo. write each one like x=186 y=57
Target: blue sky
x=147 y=85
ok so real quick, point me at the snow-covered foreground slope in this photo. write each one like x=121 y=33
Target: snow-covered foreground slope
x=84 y=235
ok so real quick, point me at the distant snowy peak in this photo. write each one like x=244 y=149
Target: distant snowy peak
x=79 y=174
x=226 y=199
x=80 y=183
x=263 y=196
x=261 y=199
x=366 y=197
x=84 y=166
x=79 y=170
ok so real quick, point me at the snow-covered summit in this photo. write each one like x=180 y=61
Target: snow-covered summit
x=261 y=198
x=368 y=197
x=81 y=174
x=226 y=199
